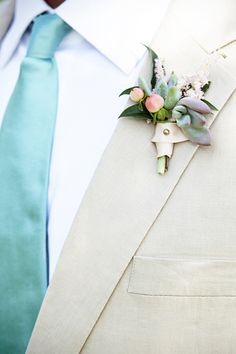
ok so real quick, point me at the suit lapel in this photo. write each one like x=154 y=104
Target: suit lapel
x=218 y=24
x=120 y=206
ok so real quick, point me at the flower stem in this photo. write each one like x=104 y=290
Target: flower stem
x=162 y=164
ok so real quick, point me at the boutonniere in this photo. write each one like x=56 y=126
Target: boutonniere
x=175 y=106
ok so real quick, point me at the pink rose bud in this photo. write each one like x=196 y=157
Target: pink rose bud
x=136 y=94
x=154 y=103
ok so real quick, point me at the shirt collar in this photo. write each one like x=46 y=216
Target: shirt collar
x=108 y=25
x=24 y=14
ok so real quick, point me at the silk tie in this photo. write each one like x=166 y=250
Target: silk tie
x=26 y=138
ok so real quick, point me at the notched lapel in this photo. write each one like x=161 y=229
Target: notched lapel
x=121 y=204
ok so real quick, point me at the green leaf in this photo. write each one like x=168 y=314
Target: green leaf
x=206 y=87
x=134 y=112
x=153 y=57
x=151 y=52
x=140 y=106
x=210 y=105
x=163 y=114
x=127 y=91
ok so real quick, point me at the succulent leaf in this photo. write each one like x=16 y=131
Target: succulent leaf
x=184 y=121
x=197 y=119
x=181 y=109
x=161 y=88
x=172 y=98
x=173 y=80
x=195 y=104
x=145 y=86
x=176 y=115
x=200 y=136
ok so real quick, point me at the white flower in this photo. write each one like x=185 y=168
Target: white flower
x=184 y=83
x=192 y=84
x=159 y=69
x=194 y=93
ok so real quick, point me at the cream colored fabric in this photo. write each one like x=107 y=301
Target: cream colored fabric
x=6 y=14
x=182 y=277
x=149 y=265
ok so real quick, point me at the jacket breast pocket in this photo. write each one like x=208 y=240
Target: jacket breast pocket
x=183 y=277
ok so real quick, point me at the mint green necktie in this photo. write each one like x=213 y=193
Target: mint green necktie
x=26 y=138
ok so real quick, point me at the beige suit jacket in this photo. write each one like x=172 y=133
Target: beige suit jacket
x=149 y=266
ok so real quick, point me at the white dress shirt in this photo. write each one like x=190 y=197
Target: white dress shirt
x=96 y=61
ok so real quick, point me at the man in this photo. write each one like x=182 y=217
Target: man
x=149 y=264
x=93 y=68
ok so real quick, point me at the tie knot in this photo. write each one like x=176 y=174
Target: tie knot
x=47 y=33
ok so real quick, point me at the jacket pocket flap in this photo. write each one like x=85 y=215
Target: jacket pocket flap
x=182 y=277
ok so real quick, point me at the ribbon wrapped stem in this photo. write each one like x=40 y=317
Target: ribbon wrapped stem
x=162 y=164
x=165 y=136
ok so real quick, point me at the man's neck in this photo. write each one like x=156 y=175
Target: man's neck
x=54 y=3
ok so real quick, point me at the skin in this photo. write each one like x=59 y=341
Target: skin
x=54 y=3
